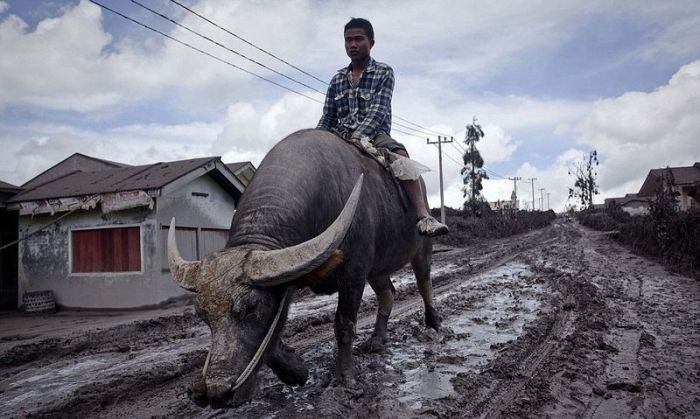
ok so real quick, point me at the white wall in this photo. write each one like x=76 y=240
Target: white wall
x=44 y=258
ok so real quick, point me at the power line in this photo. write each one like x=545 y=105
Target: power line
x=425 y=130
x=245 y=57
x=407 y=133
x=461 y=147
x=450 y=157
x=204 y=52
x=224 y=46
x=495 y=174
x=248 y=42
x=461 y=152
x=412 y=129
x=422 y=127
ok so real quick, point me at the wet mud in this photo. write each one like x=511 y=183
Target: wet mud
x=559 y=322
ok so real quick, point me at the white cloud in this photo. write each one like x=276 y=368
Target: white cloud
x=249 y=129
x=441 y=53
x=632 y=133
x=29 y=150
x=71 y=63
x=639 y=131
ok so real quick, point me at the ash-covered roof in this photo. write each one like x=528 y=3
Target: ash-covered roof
x=7 y=190
x=687 y=175
x=4 y=186
x=76 y=162
x=118 y=179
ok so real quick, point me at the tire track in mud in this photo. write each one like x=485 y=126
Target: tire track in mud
x=503 y=394
x=412 y=302
x=142 y=390
x=622 y=342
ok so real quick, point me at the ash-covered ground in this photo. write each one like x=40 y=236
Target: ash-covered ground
x=558 y=322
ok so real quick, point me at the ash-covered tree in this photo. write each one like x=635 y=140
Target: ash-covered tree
x=585 y=185
x=665 y=202
x=473 y=172
x=663 y=209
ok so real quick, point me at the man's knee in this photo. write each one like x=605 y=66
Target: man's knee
x=383 y=140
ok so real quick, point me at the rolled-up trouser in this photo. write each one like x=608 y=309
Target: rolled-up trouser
x=383 y=140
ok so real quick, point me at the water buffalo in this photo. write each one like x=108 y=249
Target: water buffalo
x=318 y=213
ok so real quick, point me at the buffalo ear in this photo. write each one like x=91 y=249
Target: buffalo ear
x=321 y=274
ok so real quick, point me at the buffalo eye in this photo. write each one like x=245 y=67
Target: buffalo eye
x=244 y=311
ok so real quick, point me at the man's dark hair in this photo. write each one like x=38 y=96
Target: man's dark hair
x=358 y=22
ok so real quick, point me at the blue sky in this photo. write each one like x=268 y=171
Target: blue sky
x=548 y=81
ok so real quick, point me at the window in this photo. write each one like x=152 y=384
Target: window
x=106 y=250
x=212 y=240
x=193 y=243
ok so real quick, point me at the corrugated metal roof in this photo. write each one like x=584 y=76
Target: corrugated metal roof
x=76 y=162
x=80 y=183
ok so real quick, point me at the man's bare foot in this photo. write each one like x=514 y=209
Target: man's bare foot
x=429 y=226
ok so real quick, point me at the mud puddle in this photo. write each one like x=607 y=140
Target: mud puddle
x=480 y=317
x=312 y=305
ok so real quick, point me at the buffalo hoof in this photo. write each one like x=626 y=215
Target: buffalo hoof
x=345 y=380
x=374 y=345
x=432 y=318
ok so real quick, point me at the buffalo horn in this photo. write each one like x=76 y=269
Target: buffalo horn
x=184 y=273
x=276 y=267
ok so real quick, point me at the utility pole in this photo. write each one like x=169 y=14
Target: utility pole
x=548 y=207
x=515 y=180
x=542 y=199
x=439 y=143
x=532 y=180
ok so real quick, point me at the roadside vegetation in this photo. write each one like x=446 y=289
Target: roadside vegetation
x=664 y=234
x=465 y=228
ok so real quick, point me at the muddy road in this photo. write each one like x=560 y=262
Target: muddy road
x=558 y=322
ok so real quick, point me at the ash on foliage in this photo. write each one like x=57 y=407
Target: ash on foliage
x=465 y=227
x=669 y=237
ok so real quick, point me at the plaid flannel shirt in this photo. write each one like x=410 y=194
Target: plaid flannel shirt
x=362 y=111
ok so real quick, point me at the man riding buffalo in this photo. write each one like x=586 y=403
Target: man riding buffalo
x=358 y=106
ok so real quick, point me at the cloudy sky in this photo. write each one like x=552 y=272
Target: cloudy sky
x=548 y=80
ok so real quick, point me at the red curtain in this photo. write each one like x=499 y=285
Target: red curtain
x=107 y=250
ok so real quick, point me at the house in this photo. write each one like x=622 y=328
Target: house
x=631 y=203
x=94 y=231
x=8 y=251
x=685 y=182
x=503 y=205
x=244 y=171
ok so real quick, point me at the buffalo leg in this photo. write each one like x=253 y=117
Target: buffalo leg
x=349 y=299
x=385 y=292
x=421 y=268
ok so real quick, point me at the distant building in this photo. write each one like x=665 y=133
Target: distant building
x=503 y=205
x=685 y=182
x=631 y=203
x=94 y=231
x=8 y=254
